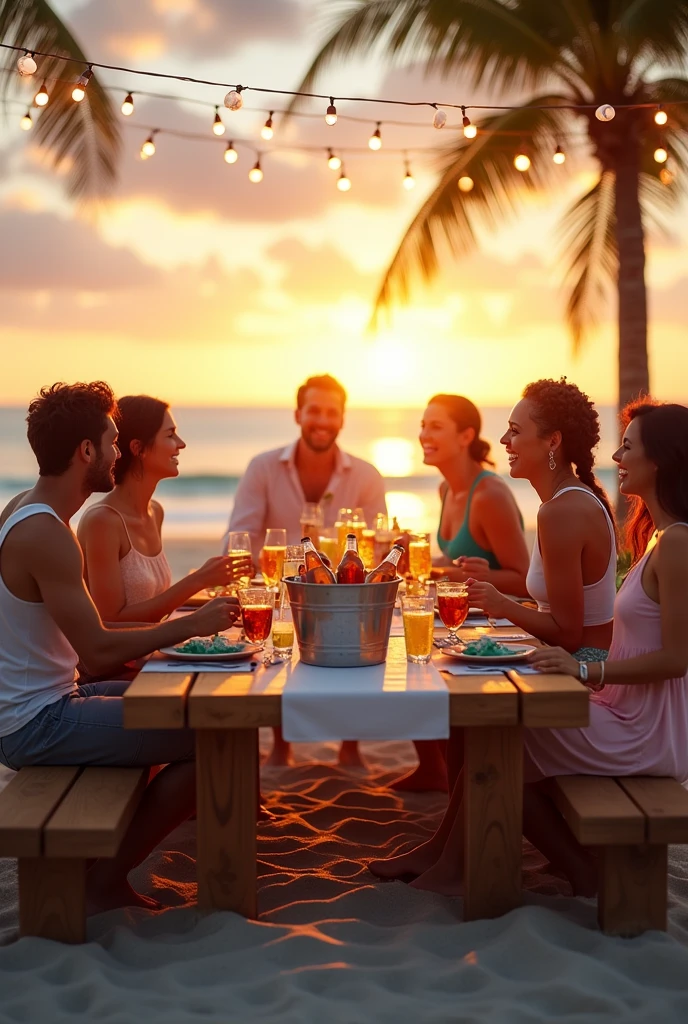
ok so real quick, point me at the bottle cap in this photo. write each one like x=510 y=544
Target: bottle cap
x=304 y=539
x=352 y=535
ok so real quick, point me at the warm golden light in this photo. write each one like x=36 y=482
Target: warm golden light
x=409 y=181
x=375 y=140
x=78 y=93
x=267 y=131
x=256 y=173
x=128 y=105
x=393 y=456
x=466 y=183
x=41 y=98
x=331 y=114
x=470 y=131
x=148 y=148
x=218 y=127
x=231 y=155
x=660 y=154
x=343 y=183
x=666 y=176
x=26 y=124
x=661 y=117
x=333 y=162
x=559 y=155
x=521 y=162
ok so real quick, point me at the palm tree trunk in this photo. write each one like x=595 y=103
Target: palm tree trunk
x=634 y=377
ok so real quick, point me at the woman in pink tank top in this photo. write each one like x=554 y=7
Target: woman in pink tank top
x=126 y=569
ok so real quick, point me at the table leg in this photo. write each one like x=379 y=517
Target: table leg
x=226 y=795
x=493 y=817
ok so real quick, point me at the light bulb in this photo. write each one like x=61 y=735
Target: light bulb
x=440 y=119
x=79 y=90
x=666 y=176
x=375 y=140
x=267 y=131
x=470 y=131
x=256 y=174
x=466 y=183
x=331 y=113
x=231 y=155
x=605 y=113
x=26 y=124
x=661 y=116
x=661 y=156
x=233 y=100
x=26 y=65
x=128 y=105
x=218 y=127
x=333 y=161
x=409 y=181
x=41 y=98
x=521 y=162
x=559 y=155
x=148 y=148
x=343 y=183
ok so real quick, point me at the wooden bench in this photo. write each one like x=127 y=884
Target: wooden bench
x=631 y=820
x=53 y=820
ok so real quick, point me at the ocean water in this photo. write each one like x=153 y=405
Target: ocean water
x=222 y=441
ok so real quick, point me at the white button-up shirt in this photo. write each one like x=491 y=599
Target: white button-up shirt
x=270 y=495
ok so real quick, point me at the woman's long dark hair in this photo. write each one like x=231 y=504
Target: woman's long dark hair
x=464 y=414
x=664 y=437
x=559 y=405
x=140 y=418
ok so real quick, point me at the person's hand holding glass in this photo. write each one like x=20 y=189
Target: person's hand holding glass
x=272 y=556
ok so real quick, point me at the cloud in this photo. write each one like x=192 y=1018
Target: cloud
x=318 y=275
x=44 y=251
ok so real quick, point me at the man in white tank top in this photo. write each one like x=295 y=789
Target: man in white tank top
x=48 y=623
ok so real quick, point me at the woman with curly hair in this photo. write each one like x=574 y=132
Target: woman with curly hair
x=552 y=434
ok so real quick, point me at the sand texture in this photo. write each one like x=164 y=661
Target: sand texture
x=333 y=946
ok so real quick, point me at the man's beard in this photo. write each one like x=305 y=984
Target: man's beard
x=319 y=446
x=99 y=476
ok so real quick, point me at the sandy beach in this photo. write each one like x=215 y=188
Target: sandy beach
x=332 y=943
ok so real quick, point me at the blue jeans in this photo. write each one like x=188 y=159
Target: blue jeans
x=85 y=728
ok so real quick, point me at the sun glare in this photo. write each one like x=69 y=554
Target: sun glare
x=393 y=456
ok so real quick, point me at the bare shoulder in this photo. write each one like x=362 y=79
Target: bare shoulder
x=98 y=519
x=11 y=506
x=492 y=491
x=43 y=533
x=673 y=543
x=158 y=510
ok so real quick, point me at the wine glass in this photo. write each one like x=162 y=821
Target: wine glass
x=272 y=557
x=257 y=605
x=452 y=604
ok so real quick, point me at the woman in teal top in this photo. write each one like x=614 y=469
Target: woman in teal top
x=480 y=532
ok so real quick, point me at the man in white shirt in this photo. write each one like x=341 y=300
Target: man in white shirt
x=278 y=483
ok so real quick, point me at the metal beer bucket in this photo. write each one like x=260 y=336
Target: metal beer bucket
x=342 y=626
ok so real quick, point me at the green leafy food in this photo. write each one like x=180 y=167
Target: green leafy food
x=485 y=647
x=214 y=645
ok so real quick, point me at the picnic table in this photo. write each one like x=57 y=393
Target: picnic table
x=226 y=712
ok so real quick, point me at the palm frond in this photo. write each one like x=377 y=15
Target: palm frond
x=85 y=135
x=488 y=40
x=590 y=255
x=653 y=30
x=448 y=218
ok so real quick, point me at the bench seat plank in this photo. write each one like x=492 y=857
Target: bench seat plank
x=597 y=810
x=93 y=817
x=551 y=701
x=156 y=700
x=27 y=802
x=664 y=802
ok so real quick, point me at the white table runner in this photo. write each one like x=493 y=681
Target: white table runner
x=394 y=701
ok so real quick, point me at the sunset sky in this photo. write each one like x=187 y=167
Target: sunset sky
x=196 y=285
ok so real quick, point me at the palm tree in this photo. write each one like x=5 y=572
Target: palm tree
x=84 y=136
x=584 y=52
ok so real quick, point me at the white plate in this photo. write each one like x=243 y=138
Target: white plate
x=519 y=653
x=248 y=650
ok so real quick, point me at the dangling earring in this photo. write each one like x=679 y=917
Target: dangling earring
x=552 y=463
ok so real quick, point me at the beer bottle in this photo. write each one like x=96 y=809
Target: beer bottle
x=386 y=571
x=351 y=569
x=316 y=570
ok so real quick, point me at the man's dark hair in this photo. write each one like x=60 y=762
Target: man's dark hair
x=64 y=415
x=325 y=383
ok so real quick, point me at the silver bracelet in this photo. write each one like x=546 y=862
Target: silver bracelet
x=583 y=671
x=601 y=674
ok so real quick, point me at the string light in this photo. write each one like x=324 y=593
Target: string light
x=79 y=90
x=521 y=161
x=661 y=115
x=218 y=127
x=148 y=148
x=26 y=65
x=559 y=155
x=375 y=140
x=469 y=130
x=466 y=183
x=128 y=105
x=666 y=176
x=26 y=124
x=331 y=113
x=266 y=132
x=333 y=161
x=343 y=183
x=660 y=154
x=234 y=100
x=41 y=98
x=231 y=155
x=256 y=173
x=409 y=181
x=440 y=118
x=605 y=113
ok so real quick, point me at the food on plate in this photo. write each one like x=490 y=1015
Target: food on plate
x=485 y=647
x=209 y=645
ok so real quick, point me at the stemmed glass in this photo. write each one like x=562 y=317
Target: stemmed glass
x=272 y=556
x=239 y=544
x=452 y=604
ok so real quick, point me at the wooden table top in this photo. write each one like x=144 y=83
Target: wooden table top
x=211 y=700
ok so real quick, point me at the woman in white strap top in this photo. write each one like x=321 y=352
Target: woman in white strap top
x=572 y=574
x=126 y=569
